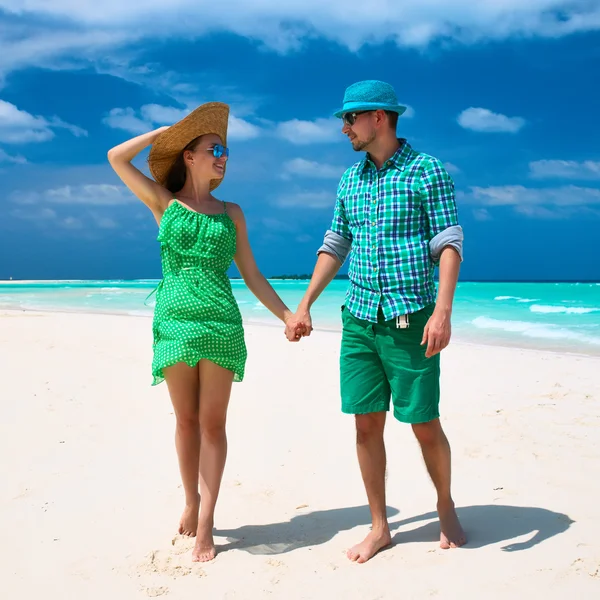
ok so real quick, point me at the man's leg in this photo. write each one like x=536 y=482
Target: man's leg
x=436 y=453
x=415 y=385
x=370 y=448
x=366 y=394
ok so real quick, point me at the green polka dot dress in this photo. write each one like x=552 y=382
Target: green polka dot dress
x=196 y=315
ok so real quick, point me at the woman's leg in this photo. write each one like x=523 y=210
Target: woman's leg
x=182 y=382
x=215 y=389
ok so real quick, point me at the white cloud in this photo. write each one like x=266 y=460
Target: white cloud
x=451 y=168
x=565 y=201
x=518 y=195
x=112 y=36
x=239 y=129
x=8 y=158
x=539 y=212
x=558 y=212
x=125 y=119
x=84 y=211
x=564 y=169
x=309 y=168
x=152 y=116
x=310 y=132
x=34 y=214
x=284 y=26
x=320 y=200
x=56 y=46
x=104 y=222
x=57 y=123
x=90 y=194
x=162 y=115
x=484 y=120
x=482 y=214
x=47 y=218
x=71 y=223
x=409 y=113
x=274 y=224
x=20 y=127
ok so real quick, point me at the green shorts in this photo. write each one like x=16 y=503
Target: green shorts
x=379 y=361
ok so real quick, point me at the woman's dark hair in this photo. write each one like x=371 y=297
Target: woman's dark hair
x=177 y=174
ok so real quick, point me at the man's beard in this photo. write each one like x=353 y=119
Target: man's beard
x=359 y=145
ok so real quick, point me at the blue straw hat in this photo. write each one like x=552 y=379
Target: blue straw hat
x=370 y=95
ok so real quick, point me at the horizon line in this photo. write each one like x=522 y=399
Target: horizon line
x=289 y=277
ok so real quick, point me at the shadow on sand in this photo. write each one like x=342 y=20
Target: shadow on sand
x=301 y=531
x=485 y=525
x=490 y=524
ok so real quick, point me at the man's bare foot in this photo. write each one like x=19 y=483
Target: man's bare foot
x=189 y=519
x=204 y=550
x=370 y=546
x=452 y=534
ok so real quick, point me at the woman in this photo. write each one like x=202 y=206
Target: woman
x=199 y=346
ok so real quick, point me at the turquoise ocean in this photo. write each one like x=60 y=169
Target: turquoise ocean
x=562 y=317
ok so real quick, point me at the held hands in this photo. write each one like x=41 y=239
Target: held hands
x=437 y=332
x=298 y=325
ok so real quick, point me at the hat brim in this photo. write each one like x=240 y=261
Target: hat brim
x=356 y=106
x=212 y=117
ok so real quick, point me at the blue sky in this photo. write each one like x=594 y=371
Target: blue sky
x=505 y=94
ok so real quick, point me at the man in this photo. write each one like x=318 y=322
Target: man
x=395 y=212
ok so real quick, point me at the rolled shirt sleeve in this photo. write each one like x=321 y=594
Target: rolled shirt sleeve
x=338 y=238
x=335 y=244
x=451 y=236
x=437 y=189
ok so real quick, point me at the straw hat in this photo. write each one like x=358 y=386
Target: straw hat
x=211 y=117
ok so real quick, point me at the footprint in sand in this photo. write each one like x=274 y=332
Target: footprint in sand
x=154 y=592
x=587 y=566
x=275 y=563
x=182 y=544
x=170 y=564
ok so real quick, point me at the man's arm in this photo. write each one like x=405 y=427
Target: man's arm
x=451 y=236
x=325 y=270
x=446 y=251
x=449 y=269
x=332 y=254
x=438 y=329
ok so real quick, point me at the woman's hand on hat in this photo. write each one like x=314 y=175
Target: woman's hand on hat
x=156 y=132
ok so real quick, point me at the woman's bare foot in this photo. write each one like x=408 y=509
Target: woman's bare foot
x=374 y=542
x=189 y=519
x=204 y=550
x=452 y=534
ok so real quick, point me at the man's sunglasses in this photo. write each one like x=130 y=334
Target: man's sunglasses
x=219 y=150
x=350 y=118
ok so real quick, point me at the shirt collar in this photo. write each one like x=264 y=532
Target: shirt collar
x=398 y=159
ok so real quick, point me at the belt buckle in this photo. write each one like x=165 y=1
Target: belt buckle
x=402 y=322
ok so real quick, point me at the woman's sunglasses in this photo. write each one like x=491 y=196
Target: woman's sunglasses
x=219 y=150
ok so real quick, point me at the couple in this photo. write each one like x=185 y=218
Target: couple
x=395 y=215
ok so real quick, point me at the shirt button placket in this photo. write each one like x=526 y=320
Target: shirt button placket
x=374 y=236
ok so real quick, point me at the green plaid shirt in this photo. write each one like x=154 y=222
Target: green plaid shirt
x=390 y=216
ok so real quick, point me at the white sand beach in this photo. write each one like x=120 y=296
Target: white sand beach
x=91 y=498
